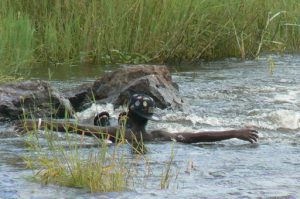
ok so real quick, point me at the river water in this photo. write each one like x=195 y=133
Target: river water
x=263 y=94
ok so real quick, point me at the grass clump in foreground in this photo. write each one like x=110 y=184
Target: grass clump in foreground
x=66 y=160
x=88 y=162
x=139 y=31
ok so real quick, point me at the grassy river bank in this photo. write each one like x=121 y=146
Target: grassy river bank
x=140 y=31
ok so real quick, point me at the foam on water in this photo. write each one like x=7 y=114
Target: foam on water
x=184 y=121
x=285 y=119
x=290 y=97
x=281 y=119
x=88 y=115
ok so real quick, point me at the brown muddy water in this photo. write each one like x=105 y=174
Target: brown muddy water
x=218 y=95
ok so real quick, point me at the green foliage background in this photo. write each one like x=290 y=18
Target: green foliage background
x=144 y=31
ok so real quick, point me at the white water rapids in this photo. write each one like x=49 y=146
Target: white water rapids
x=217 y=95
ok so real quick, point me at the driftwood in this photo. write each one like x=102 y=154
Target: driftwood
x=111 y=133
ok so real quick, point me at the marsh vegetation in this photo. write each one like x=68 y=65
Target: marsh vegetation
x=141 y=31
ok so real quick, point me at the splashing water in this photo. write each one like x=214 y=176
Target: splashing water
x=217 y=95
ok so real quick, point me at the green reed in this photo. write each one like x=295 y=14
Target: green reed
x=16 y=43
x=74 y=161
x=90 y=163
x=139 y=31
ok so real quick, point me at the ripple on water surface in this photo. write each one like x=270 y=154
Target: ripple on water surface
x=217 y=95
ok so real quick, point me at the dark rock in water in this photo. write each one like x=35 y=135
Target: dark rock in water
x=154 y=80
x=33 y=98
x=38 y=99
x=164 y=94
x=79 y=96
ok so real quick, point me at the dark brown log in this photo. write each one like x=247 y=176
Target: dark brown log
x=111 y=133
